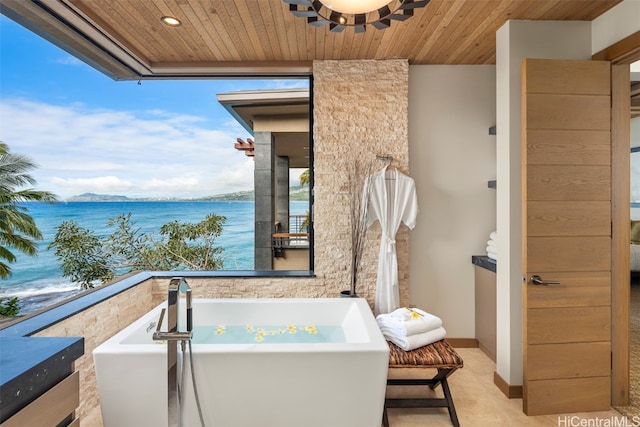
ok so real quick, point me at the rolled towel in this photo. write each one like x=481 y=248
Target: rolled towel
x=408 y=321
x=493 y=235
x=411 y=342
x=493 y=256
x=492 y=244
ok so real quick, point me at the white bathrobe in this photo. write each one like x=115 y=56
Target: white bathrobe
x=392 y=200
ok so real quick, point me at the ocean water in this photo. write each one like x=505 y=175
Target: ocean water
x=268 y=334
x=38 y=281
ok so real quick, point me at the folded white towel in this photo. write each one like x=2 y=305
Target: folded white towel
x=492 y=250
x=411 y=342
x=493 y=235
x=404 y=321
x=492 y=244
x=493 y=256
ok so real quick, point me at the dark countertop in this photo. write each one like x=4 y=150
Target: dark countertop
x=484 y=262
x=31 y=366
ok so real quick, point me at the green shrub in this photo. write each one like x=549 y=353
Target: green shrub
x=9 y=307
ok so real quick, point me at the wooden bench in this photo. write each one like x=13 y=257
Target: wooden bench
x=439 y=355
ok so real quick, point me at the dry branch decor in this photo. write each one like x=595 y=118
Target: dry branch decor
x=359 y=175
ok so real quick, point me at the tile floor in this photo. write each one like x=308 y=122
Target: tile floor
x=478 y=402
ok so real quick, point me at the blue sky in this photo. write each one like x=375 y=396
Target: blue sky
x=89 y=133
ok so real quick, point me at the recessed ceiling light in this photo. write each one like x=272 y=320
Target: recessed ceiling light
x=170 y=21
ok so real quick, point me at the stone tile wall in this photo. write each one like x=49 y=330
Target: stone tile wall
x=360 y=111
x=97 y=324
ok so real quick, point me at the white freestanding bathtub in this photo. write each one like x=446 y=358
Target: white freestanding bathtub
x=275 y=378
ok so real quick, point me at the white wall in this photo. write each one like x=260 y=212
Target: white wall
x=613 y=26
x=451 y=157
x=515 y=41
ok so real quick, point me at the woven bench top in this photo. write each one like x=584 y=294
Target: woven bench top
x=437 y=355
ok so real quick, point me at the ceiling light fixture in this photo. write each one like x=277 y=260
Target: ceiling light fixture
x=170 y=21
x=340 y=14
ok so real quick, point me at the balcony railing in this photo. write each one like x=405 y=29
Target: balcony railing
x=297 y=224
x=296 y=238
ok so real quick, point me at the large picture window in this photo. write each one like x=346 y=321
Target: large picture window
x=160 y=152
x=245 y=154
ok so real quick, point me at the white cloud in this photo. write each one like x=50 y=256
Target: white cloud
x=137 y=154
x=69 y=60
x=290 y=84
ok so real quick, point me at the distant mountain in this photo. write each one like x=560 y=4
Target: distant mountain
x=238 y=196
x=296 y=193
x=92 y=197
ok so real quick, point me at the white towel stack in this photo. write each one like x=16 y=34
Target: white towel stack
x=410 y=328
x=492 y=246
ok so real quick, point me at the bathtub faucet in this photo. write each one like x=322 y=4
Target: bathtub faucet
x=176 y=285
x=172 y=336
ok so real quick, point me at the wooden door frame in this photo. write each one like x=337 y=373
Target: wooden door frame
x=620 y=54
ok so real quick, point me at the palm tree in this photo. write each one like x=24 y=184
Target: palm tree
x=305 y=177
x=18 y=230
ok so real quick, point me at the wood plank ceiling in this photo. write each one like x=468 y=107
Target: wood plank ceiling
x=226 y=32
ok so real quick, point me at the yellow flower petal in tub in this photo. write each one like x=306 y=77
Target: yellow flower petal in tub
x=310 y=329
x=259 y=338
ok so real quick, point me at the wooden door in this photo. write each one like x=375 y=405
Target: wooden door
x=566 y=236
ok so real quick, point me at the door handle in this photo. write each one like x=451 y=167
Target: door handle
x=537 y=280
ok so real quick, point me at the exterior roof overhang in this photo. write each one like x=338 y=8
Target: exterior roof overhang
x=284 y=113
x=229 y=38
